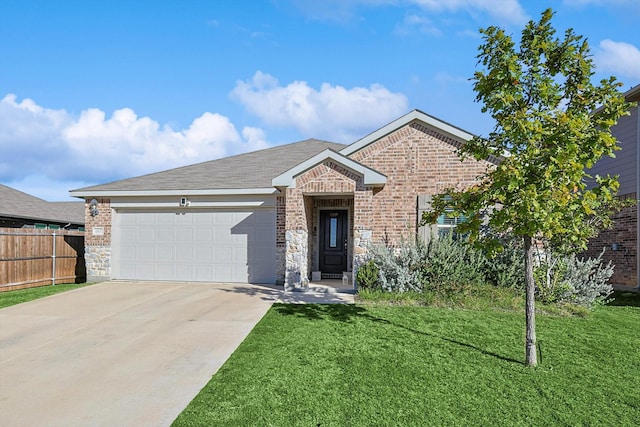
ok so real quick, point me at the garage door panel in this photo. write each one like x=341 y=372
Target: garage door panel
x=164 y=253
x=204 y=235
x=215 y=245
x=203 y=255
x=223 y=253
x=184 y=255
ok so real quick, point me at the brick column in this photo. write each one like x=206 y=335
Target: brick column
x=97 y=250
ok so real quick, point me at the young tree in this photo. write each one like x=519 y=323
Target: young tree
x=551 y=124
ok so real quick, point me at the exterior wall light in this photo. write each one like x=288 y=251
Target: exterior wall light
x=93 y=208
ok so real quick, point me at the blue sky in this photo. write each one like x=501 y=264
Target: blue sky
x=95 y=91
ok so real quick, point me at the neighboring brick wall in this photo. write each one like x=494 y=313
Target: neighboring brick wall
x=624 y=233
x=416 y=160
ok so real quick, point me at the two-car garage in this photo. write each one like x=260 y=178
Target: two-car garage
x=212 y=245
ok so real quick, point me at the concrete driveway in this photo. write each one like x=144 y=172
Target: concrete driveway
x=120 y=353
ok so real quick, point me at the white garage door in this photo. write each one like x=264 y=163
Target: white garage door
x=215 y=245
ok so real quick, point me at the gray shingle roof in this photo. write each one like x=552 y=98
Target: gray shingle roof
x=243 y=171
x=16 y=204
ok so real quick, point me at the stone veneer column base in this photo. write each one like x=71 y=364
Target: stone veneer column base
x=296 y=258
x=98 y=262
x=361 y=243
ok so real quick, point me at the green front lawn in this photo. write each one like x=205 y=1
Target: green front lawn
x=24 y=295
x=383 y=365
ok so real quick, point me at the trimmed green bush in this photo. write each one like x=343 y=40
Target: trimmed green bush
x=368 y=276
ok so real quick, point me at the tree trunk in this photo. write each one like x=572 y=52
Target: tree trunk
x=530 y=308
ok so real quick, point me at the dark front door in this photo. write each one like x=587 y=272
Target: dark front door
x=333 y=241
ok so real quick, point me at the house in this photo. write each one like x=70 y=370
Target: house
x=279 y=215
x=21 y=210
x=620 y=243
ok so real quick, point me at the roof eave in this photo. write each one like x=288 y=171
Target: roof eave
x=179 y=192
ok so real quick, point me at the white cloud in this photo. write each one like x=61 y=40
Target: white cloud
x=619 y=58
x=580 y=3
x=334 y=10
x=413 y=22
x=95 y=148
x=331 y=112
x=508 y=11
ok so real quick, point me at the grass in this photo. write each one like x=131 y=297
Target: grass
x=390 y=365
x=23 y=295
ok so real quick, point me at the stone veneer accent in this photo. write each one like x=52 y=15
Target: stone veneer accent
x=98 y=248
x=361 y=244
x=624 y=233
x=296 y=258
x=98 y=263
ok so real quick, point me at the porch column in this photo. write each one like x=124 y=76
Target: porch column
x=363 y=225
x=296 y=239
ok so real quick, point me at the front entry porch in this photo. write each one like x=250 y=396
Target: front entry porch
x=327 y=248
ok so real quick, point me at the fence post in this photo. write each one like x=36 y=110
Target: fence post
x=53 y=261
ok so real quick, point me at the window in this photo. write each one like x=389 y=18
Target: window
x=444 y=225
x=333 y=232
x=447 y=224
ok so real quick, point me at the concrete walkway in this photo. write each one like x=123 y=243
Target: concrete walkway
x=124 y=353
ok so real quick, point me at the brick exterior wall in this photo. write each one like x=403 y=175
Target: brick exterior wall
x=281 y=202
x=624 y=233
x=416 y=160
x=103 y=219
x=98 y=248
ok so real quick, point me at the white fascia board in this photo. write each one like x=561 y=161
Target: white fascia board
x=371 y=177
x=127 y=193
x=402 y=121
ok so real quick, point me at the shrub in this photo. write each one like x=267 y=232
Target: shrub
x=567 y=279
x=400 y=269
x=453 y=262
x=549 y=279
x=442 y=264
x=587 y=281
x=368 y=276
x=506 y=268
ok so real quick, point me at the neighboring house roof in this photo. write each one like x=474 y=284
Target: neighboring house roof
x=249 y=172
x=633 y=94
x=19 y=205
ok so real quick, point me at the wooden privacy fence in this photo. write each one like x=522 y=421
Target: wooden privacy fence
x=30 y=258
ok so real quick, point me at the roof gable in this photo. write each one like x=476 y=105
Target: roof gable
x=430 y=121
x=370 y=176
